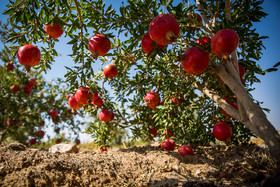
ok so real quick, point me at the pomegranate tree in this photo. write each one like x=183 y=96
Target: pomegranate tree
x=29 y=56
x=164 y=29
x=110 y=71
x=168 y=144
x=152 y=99
x=222 y=131
x=195 y=61
x=148 y=44
x=54 y=30
x=99 y=45
x=224 y=42
x=185 y=150
x=84 y=96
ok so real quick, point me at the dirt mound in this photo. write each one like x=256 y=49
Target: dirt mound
x=138 y=166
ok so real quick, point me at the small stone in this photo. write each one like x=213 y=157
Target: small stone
x=64 y=148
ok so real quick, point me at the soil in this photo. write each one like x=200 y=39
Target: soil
x=140 y=166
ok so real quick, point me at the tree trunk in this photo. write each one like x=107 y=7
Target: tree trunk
x=256 y=119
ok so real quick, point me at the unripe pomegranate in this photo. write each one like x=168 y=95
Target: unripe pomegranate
x=193 y=25
x=224 y=43
x=99 y=45
x=54 y=30
x=148 y=44
x=102 y=149
x=84 y=96
x=14 y=88
x=53 y=113
x=29 y=56
x=32 y=82
x=73 y=103
x=106 y=115
x=164 y=29
x=27 y=89
x=194 y=61
x=110 y=71
x=10 y=65
x=222 y=131
x=154 y=132
x=98 y=102
x=168 y=144
x=185 y=150
x=152 y=99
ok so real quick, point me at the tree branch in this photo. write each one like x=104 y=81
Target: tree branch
x=204 y=17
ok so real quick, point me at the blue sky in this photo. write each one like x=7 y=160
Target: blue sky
x=266 y=91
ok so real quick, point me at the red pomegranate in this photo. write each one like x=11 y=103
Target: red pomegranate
x=98 y=102
x=168 y=144
x=53 y=113
x=176 y=100
x=168 y=132
x=152 y=99
x=154 y=132
x=102 y=149
x=205 y=42
x=148 y=44
x=10 y=66
x=73 y=103
x=14 y=88
x=224 y=43
x=106 y=115
x=57 y=130
x=57 y=141
x=78 y=141
x=29 y=56
x=222 y=131
x=27 y=89
x=195 y=61
x=32 y=81
x=84 y=96
x=10 y=122
x=110 y=71
x=185 y=150
x=99 y=45
x=164 y=29
x=193 y=25
x=32 y=142
x=54 y=30
x=40 y=134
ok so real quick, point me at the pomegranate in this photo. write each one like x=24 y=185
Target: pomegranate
x=98 y=102
x=222 y=131
x=110 y=71
x=10 y=65
x=154 y=132
x=54 y=30
x=29 y=56
x=224 y=43
x=78 y=141
x=84 y=96
x=205 y=43
x=102 y=149
x=185 y=150
x=57 y=141
x=32 y=82
x=27 y=89
x=99 y=45
x=53 y=113
x=73 y=103
x=148 y=44
x=176 y=100
x=164 y=29
x=57 y=130
x=168 y=144
x=14 y=88
x=195 y=61
x=106 y=115
x=32 y=142
x=10 y=122
x=40 y=134
x=193 y=25
x=168 y=132
x=152 y=99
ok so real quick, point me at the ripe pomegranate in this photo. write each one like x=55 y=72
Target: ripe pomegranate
x=106 y=115
x=84 y=96
x=98 y=102
x=27 y=89
x=10 y=65
x=102 y=149
x=222 y=131
x=54 y=30
x=234 y=105
x=168 y=132
x=32 y=82
x=205 y=43
x=193 y=24
x=73 y=103
x=168 y=144
x=110 y=71
x=99 y=45
x=195 y=61
x=78 y=141
x=32 y=142
x=164 y=29
x=40 y=134
x=57 y=130
x=185 y=150
x=57 y=141
x=148 y=44
x=154 y=132
x=152 y=99
x=14 y=88
x=224 y=43
x=29 y=56
x=53 y=113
